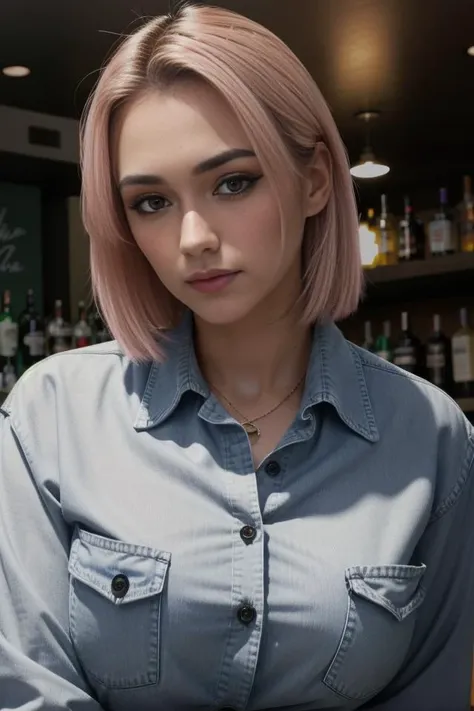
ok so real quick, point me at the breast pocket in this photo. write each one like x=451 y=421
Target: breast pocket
x=114 y=609
x=380 y=619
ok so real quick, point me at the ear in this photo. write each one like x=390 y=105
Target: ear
x=317 y=184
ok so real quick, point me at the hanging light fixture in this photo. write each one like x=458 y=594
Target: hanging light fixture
x=368 y=166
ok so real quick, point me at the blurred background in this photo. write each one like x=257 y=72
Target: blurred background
x=398 y=76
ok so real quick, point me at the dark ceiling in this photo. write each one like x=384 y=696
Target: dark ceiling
x=405 y=58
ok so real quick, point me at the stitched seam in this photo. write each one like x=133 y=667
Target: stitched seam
x=458 y=488
x=121 y=547
x=406 y=374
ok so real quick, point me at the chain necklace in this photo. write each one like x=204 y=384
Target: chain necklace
x=249 y=424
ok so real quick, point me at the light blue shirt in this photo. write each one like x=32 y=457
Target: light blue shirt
x=145 y=565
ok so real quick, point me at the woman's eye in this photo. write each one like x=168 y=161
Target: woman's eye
x=150 y=204
x=235 y=185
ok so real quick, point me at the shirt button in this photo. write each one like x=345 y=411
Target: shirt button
x=247 y=534
x=272 y=468
x=120 y=585
x=246 y=614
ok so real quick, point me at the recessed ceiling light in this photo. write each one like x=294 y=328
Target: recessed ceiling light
x=471 y=50
x=16 y=70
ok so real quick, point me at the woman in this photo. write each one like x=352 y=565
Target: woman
x=230 y=506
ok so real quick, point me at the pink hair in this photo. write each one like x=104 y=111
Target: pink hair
x=284 y=115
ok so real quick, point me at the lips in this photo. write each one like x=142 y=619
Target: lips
x=211 y=274
x=213 y=282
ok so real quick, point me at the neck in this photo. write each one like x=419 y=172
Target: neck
x=255 y=358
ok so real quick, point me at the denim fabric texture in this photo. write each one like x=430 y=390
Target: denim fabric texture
x=146 y=565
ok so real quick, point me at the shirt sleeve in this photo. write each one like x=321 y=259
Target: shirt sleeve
x=38 y=668
x=437 y=672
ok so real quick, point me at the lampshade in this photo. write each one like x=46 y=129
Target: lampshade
x=368 y=166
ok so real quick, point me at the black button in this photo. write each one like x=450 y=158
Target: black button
x=120 y=585
x=246 y=614
x=247 y=534
x=272 y=468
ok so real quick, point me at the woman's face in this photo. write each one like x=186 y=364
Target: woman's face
x=198 y=203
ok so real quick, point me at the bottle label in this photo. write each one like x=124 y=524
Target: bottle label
x=35 y=343
x=82 y=341
x=8 y=338
x=463 y=358
x=384 y=247
x=9 y=378
x=442 y=237
x=404 y=360
x=386 y=355
x=436 y=360
x=60 y=345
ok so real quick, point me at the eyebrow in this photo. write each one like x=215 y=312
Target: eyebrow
x=206 y=165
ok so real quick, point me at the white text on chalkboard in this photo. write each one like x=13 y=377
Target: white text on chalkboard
x=8 y=263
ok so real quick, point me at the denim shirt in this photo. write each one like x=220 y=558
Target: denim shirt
x=146 y=566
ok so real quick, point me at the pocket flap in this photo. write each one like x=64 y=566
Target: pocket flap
x=397 y=588
x=96 y=561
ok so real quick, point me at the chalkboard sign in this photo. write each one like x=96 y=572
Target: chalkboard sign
x=20 y=243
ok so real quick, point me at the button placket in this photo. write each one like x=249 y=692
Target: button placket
x=247 y=598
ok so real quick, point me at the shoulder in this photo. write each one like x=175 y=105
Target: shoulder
x=419 y=418
x=62 y=368
x=395 y=390
x=74 y=382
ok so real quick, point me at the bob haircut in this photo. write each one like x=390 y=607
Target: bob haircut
x=284 y=115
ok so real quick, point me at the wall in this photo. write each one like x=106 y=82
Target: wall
x=79 y=281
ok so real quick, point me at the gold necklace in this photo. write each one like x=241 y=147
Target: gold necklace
x=249 y=425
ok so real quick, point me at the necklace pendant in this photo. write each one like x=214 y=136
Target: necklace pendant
x=251 y=429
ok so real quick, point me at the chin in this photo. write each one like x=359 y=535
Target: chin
x=222 y=314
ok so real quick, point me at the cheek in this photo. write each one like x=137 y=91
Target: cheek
x=152 y=241
x=256 y=227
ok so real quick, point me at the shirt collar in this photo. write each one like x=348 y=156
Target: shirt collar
x=335 y=376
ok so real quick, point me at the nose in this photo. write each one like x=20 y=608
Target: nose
x=196 y=235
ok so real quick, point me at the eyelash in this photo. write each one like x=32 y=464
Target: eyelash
x=251 y=181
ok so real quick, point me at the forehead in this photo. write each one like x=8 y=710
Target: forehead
x=183 y=125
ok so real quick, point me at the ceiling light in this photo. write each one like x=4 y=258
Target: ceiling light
x=471 y=50
x=368 y=166
x=16 y=71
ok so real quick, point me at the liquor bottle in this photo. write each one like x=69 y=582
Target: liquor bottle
x=8 y=340
x=408 y=353
x=100 y=333
x=368 y=240
x=462 y=345
x=467 y=218
x=387 y=237
x=8 y=377
x=442 y=235
x=438 y=357
x=59 y=331
x=383 y=343
x=411 y=235
x=82 y=334
x=31 y=335
x=368 y=338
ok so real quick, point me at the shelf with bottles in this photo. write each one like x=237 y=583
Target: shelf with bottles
x=443 y=357
x=27 y=338
x=419 y=250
